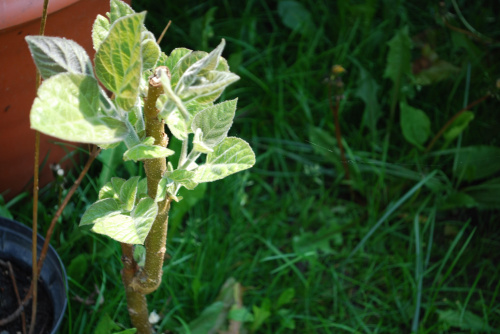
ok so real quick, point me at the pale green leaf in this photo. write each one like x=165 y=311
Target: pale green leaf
x=415 y=124
x=118 y=61
x=187 y=60
x=163 y=186
x=118 y=9
x=107 y=191
x=67 y=107
x=142 y=187
x=459 y=125
x=229 y=156
x=147 y=150
x=118 y=227
x=102 y=208
x=54 y=55
x=117 y=184
x=206 y=64
x=182 y=177
x=100 y=30
x=399 y=56
x=215 y=122
x=198 y=144
x=211 y=84
x=177 y=125
x=150 y=50
x=128 y=193
x=174 y=57
x=144 y=215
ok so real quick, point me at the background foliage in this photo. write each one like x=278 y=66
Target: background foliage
x=408 y=243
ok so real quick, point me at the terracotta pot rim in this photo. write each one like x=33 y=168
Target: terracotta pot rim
x=16 y=12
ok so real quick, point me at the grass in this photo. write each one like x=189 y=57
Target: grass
x=310 y=258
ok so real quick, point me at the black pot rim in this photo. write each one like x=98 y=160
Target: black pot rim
x=15 y=243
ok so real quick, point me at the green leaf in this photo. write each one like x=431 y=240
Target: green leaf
x=439 y=71
x=67 y=107
x=181 y=66
x=286 y=297
x=261 y=314
x=54 y=55
x=147 y=150
x=399 y=56
x=177 y=125
x=458 y=200
x=459 y=125
x=478 y=162
x=174 y=57
x=100 y=30
x=118 y=61
x=415 y=124
x=77 y=269
x=106 y=325
x=128 y=193
x=296 y=17
x=215 y=122
x=118 y=9
x=367 y=91
x=99 y=210
x=117 y=184
x=210 y=86
x=144 y=215
x=240 y=314
x=463 y=320
x=150 y=51
x=131 y=229
x=200 y=67
x=182 y=177
x=230 y=156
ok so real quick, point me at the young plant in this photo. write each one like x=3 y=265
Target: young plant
x=149 y=90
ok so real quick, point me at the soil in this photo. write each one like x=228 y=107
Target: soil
x=8 y=301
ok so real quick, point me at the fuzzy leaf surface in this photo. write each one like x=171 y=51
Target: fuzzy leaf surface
x=229 y=156
x=182 y=177
x=98 y=210
x=128 y=193
x=118 y=9
x=215 y=122
x=118 y=61
x=54 y=55
x=100 y=30
x=147 y=150
x=67 y=107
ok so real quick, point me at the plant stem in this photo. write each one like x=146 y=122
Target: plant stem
x=451 y=120
x=338 y=135
x=34 y=239
x=140 y=282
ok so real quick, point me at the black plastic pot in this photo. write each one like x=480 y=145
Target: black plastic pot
x=15 y=246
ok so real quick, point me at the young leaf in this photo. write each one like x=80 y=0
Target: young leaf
x=67 y=107
x=229 y=156
x=150 y=50
x=415 y=124
x=182 y=177
x=215 y=122
x=210 y=85
x=203 y=65
x=118 y=62
x=183 y=64
x=459 y=125
x=399 y=56
x=147 y=150
x=118 y=9
x=102 y=208
x=54 y=55
x=128 y=193
x=117 y=184
x=100 y=30
x=120 y=228
x=198 y=144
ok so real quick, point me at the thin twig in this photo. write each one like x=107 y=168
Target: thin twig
x=27 y=298
x=13 y=278
x=451 y=120
x=163 y=32
x=35 y=192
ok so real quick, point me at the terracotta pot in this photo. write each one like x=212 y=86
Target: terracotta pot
x=72 y=19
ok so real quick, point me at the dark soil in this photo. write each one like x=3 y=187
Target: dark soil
x=8 y=301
